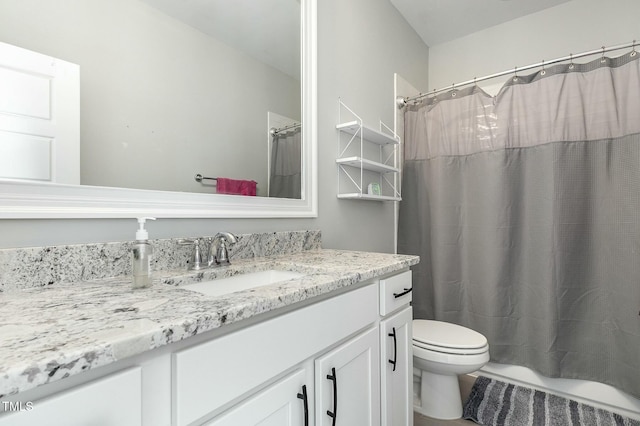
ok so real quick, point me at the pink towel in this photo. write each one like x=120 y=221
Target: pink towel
x=236 y=186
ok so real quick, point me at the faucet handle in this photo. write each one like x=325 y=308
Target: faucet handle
x=222 y=253
x=196 y=259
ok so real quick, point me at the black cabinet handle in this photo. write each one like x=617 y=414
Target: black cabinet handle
x=303 y=397
x=395 y=349
x=406 y=291
x=334 y=379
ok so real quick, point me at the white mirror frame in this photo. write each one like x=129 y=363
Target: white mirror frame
x=31 y=200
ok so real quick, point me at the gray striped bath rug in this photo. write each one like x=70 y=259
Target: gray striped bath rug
x=496 y=403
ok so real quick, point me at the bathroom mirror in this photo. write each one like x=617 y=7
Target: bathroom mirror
x=168 y=188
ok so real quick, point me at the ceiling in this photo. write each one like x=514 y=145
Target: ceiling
x=267 y=30
x=439 y=21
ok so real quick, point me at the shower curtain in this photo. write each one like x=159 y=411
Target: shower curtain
x=525 y=211
x=286 y=150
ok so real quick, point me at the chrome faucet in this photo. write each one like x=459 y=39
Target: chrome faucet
x=217 y=252
x=218 y=245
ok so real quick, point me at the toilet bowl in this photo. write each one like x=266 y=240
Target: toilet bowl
x=442 y=351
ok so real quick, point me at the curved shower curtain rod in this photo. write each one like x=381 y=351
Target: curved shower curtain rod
x=403 y=101
x=275 y=131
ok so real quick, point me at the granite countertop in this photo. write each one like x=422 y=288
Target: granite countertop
x=50 y=333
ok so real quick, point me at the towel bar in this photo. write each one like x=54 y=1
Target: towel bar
x=200 y=178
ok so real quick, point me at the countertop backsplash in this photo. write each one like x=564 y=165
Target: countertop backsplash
x=43 y=266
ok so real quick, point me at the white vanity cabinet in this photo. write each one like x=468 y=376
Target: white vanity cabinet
x=397 y=376
x=324 y=363
x=344 y=391
x=285 y=403
x=217 y=375
x=113 y=400
x=348 y=383
x=396 y=354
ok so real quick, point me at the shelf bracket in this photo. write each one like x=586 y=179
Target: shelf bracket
x=350 y=141
x=346 y=172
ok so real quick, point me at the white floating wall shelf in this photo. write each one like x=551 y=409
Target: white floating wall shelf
x=369 y=156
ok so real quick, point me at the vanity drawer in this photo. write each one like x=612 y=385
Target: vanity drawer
x=395 y=292
x=209 y=376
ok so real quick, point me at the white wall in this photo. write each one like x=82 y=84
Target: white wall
x=572 y=27
x=361 y=44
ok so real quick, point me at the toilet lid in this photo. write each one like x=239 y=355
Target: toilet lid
x=427 y=333
x=451 y=351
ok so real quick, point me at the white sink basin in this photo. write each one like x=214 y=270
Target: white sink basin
x=241 y=282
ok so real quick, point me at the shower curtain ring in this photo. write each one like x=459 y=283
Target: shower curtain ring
x=603 y=60
x=571 y=61
x=633 y=49
x=543 y=72
x=515 y=74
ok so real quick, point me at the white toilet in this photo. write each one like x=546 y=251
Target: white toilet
x=442 y=351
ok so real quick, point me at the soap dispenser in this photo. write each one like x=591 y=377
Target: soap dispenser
x=141 y=253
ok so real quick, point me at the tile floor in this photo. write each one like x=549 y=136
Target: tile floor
x=466 y=382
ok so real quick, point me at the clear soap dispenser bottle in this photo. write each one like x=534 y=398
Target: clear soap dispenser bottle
x=141 y=254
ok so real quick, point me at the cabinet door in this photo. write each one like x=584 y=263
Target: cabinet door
x=281 y=404
x=114 y=400
x=348 y=383
x=396 y=357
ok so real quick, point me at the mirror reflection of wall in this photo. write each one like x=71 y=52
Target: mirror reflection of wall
x=284 y=142
x=161 y=100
